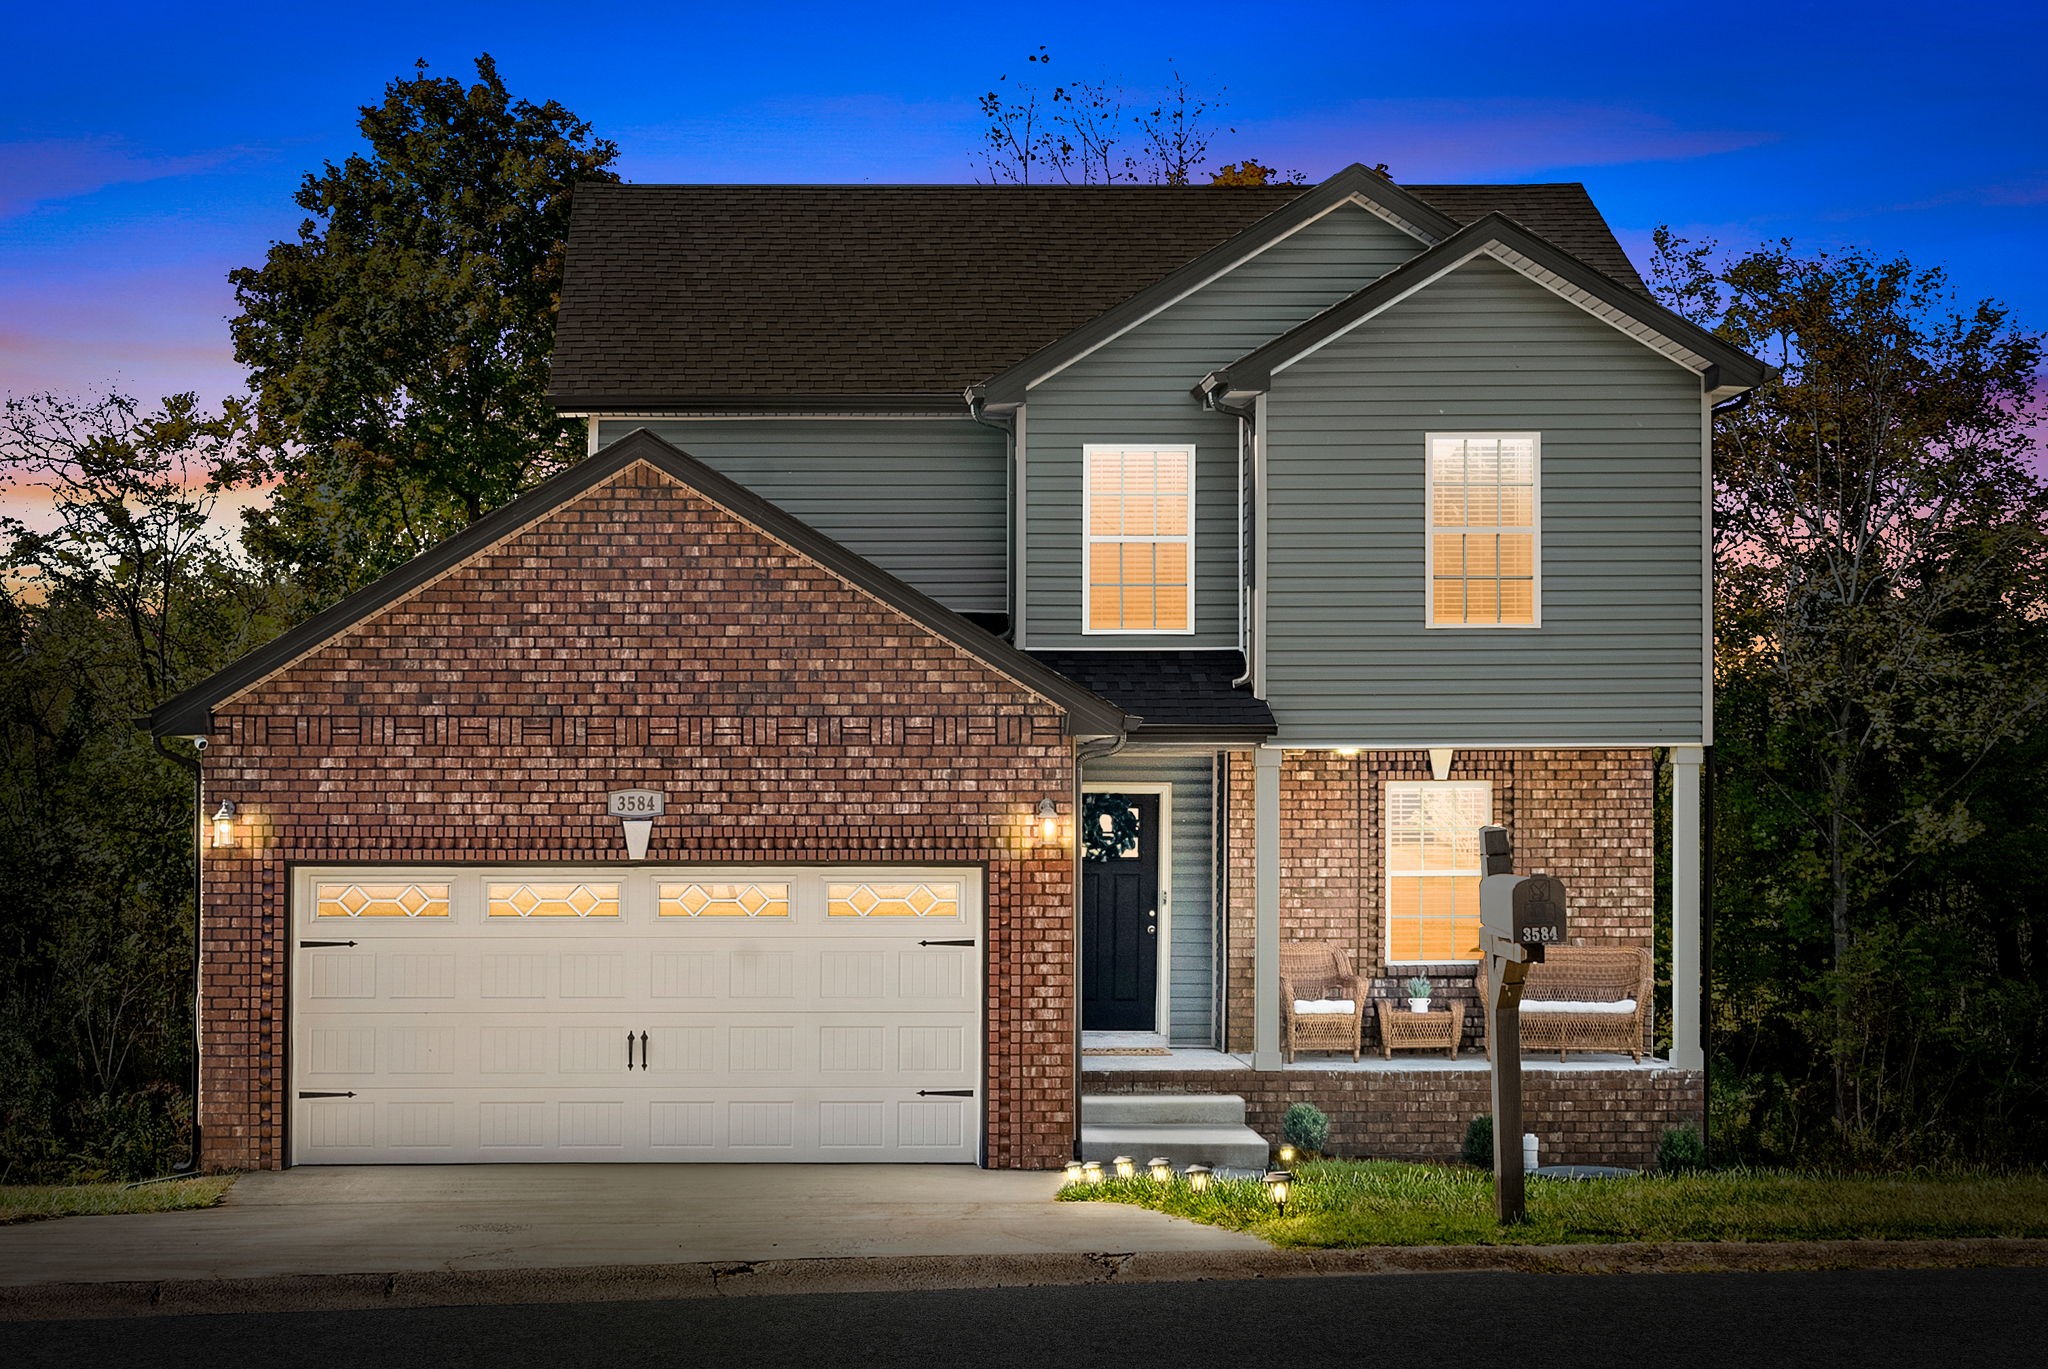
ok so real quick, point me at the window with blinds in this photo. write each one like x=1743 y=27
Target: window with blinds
x=1482 y=539
x=1138 y=526
x=1433 y=870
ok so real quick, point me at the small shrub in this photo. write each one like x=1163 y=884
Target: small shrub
x=1478 y=1149
x=1305 y=1128
x=1682 y=1151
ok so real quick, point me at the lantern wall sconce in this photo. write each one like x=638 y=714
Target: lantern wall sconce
x=1048 y=822
x=224 y=824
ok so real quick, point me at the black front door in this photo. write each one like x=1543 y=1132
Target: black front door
x=1119 y=912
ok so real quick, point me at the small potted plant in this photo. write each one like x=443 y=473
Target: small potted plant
x=1418 y=994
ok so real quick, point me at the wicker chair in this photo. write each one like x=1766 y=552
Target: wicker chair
x=1320 y=970
x=1584 y=974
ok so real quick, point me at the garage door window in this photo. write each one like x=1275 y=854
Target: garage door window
x=380 y=900
x=724 y=900
x=892 y=900
x=552 y=900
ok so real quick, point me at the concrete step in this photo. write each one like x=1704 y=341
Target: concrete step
x=1162 y=1109
x=1219 y=1147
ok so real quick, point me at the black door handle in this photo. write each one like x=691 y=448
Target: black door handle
x=629 y=1050
x=643 y=1050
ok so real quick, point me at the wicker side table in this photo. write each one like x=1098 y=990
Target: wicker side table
x=1439 y=1028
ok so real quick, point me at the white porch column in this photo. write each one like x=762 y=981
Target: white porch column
x=1266 y=921
x=1687 y=1050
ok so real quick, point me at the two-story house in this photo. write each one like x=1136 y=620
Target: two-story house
x=993 y=628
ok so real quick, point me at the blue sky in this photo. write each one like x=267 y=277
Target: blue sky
x=146 y=150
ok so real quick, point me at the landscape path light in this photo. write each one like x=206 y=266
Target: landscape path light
x=1278 y=1182
x=1198 y=1178
x=1288 y=1154
x=1161 y=1168
x=1126 y=1167
x=1092 y=1171
x=1073 y=1175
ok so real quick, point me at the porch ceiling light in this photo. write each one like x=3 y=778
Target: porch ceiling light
x=1347 y=751
x=1198 y=1178
x=1278 y=1182
x=1048 y=822
x=1160 y=1168
x=224 y=824
x=1092 y=1172
x=1126 y=1167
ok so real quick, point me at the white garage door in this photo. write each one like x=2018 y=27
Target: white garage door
x=602 y=1014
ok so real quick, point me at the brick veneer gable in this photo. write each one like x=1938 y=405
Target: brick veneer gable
x=639 y=635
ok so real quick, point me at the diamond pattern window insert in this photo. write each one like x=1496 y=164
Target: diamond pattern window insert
x=1433 y=870
x=724 y=900
x=932 y=900
x=1140 y=541
x=551 y=900
x=380 y=900
x=1482 y=531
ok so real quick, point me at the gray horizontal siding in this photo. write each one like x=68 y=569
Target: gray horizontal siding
x=1137 y=390
x=924 y=499
x=1619 y=655
x=1191 y=921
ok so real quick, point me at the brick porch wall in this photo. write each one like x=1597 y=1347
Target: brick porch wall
x=640 y=635
x=1586 y=1117
x=1587 y=817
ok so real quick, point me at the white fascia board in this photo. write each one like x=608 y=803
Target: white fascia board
x=1359 y=201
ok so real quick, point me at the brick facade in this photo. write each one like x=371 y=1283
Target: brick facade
x=1587 y=817
x=1583 y=1116
x=638 y=635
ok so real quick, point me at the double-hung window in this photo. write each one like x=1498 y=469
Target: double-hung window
x=1138 y=512
x=1484 y=567
x=1433 y=870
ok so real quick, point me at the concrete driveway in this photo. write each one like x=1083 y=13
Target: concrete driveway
x=398 y=1219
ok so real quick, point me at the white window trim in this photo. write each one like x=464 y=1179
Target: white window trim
x=1088 y=538
x=1386 y=860
x=1429 y=529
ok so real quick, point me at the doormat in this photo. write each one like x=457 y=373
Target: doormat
x=1125 y=1050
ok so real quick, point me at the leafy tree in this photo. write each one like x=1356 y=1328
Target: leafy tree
x=1880 y=593
x=123 y=592
x=398 y=347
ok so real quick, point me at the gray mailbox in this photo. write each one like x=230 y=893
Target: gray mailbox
x=1525 y=910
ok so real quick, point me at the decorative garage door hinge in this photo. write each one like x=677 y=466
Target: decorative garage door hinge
x=968 y=942
x=305 y=944
x=317 y=1093
x=945 y=1093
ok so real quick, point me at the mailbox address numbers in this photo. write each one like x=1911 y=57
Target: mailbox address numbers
x=636 y=803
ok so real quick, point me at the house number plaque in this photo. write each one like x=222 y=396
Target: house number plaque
x=635 y=803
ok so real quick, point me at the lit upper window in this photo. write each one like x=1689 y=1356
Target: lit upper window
x=1139 y=529
x=1482 y=530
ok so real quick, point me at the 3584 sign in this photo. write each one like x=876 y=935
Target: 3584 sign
x=636 y=803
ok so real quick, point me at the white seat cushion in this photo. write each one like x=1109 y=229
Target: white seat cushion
x=1324 y=1005
x=1618 y=1006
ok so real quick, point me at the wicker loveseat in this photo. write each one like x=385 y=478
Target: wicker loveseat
x=1589 y=986
x=1322 y=1003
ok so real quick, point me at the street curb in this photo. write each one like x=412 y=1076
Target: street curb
x=924 y=1273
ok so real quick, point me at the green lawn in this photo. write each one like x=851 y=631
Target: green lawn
x=1384 y=1202
x=27 y=1202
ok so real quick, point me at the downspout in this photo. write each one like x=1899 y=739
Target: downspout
x=1212 y=398
x=1094 y=749
x=1013 y=498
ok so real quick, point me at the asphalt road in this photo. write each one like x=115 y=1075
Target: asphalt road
x=1861 y=1319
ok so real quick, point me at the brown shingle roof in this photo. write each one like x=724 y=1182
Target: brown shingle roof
x=676 y=294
